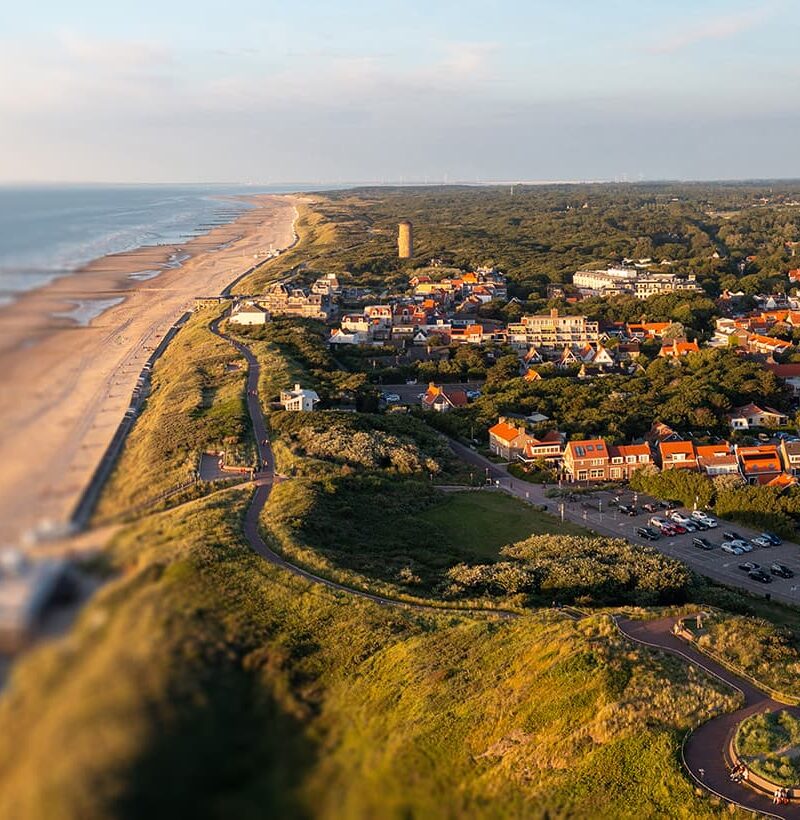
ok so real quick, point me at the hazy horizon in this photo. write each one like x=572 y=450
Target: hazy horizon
x=398 y=91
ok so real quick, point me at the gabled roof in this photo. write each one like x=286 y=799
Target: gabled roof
x=679 y=348
x=754 y=410
x=673 y=448
x=505 y=432
x=532 y=375
x=456 y=397
x=713 y=450
x=625 y=450
x=785 y=371
x=588 y=448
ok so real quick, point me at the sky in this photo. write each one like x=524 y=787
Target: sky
x=420 y=90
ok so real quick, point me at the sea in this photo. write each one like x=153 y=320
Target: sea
x=50 y=231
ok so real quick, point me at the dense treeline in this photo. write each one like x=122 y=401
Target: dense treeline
x=690 y=394
x=542 y=234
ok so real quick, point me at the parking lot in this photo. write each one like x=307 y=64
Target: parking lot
x=411 y=393
x=594 y=511
x=599 y=514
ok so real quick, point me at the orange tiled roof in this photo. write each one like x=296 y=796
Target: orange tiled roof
x=670 y=448
x=504 y=431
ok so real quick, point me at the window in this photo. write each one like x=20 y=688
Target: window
x=598 y=473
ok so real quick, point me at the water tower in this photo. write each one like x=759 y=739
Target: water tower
x=405 y=240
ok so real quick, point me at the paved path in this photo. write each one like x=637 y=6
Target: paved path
x=705 y=750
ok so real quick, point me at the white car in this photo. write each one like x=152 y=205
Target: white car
x=679 y=518
x=727 y=546
x=744 y=546
x=699 y=515
x=391 y=398
x=761 y=542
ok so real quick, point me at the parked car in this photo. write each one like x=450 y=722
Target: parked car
x=770 y=536
x=744 y=546
x=760 y=576
x=705 y=518
x=678 y=528
x=628 y=509
x=702 y=543
x=648 y=533
x=701 y=525
x=726 y=546
x=391 y=398
x=781 y=570
x=759 y=541
x=749 y=566
x=732 y=536
x=651 y=508
x=657 y=522
x=473 y=394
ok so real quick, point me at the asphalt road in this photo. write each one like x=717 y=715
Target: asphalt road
x=606 y=520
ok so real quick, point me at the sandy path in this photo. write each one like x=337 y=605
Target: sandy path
x=66 y=386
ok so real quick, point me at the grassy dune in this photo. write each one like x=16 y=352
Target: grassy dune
x=197 y=403
x=204 y=682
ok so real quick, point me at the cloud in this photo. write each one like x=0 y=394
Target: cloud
x=720 y=27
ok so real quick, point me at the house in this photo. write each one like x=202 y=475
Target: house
x=790 y=455
x=677 y=348
x=443 y=399
x=567 y=359
x=532 y=375
x=586 y=460
x=340 y=337
x=751 y=415
x=248 y=313
x=717 y=459
x=299 y=400
x=659 y=431
x=547 y=447
x=789 y=373
x=759 y=464
x=767 y=345
x=625 y=459
x=603 y=357
x=533 y=357
x=646 y=330
x=508 y=438
x=677 y=455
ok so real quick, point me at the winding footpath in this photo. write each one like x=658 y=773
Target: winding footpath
x=705 y=749
x=264 y=481
x=704 y=752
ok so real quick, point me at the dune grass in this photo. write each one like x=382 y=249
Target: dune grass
x=197 y=404
x=204 y=682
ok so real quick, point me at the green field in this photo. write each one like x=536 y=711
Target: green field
x=481 y=523
x=770 y=744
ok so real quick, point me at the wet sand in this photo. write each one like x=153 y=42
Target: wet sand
x=68 y=373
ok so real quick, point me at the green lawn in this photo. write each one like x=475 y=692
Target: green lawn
x=481 y=523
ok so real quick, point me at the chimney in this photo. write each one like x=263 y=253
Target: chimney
x=553 y=313
x=297 y=388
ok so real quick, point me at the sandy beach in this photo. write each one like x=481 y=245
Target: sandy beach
x=71 y=352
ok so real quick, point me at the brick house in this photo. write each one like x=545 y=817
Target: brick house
x=677 y=455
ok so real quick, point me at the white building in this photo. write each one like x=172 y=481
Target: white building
x=299 y=400
x=248 y=313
